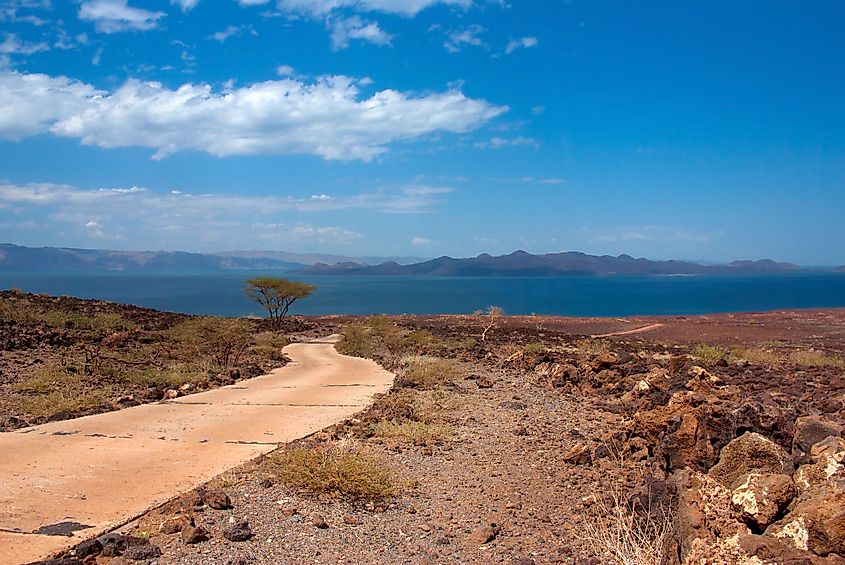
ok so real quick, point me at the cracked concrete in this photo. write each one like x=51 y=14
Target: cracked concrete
x=101 y=471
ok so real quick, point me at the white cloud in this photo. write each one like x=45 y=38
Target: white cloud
x=95 y=60
x=284 y=70
x=501 y=142
x=11 y=45
x=326 y=118
x=346 y=29
x=34 y=102
x=186 y=5
x=225 y=34
x=164 y=219
x=418 y=241
x=525 y=42
x=469 y=36
x=111 y=16
x=401 y=7
x=253 y=2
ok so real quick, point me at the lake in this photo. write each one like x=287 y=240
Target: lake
x=222 y=293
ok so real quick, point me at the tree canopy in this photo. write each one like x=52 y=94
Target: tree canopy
x=277 y=295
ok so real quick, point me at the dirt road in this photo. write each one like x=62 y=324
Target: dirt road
x=93 y=473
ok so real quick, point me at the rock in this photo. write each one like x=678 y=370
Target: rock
x=238 y=532
x=578 y=454
x=90 y=547
x=317 y=520
x=828 y=462
x=759 y=499
x=604 y=361
x=170 y=394
x=217 y=499
x=140 y=549
x=641 y=387
x=352 y=520
x=484 y=534
x=703 y=514
x=774 y=550
x=750 y=453
x=265 y=483
x=174 y=525
x=194 y=534
x=810 y=430
x=484 y=382
x=816 y=524
x=762 y=414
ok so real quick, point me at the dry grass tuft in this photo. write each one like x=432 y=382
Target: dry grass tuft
x=425 y=372
x=626 y=535
x=346 y=474
x=815 y=359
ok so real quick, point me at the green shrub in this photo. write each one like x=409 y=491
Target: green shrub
x=356 y=341
x=221 y=340
x=709 y=354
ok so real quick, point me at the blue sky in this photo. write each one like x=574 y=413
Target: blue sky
x=709 y=131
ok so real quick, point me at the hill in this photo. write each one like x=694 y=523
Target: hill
x=520 y=263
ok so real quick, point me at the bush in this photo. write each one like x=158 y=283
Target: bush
x=221 y=340
x=397 y=406
x=709 y=354
x=172 y=377
x=426 y=372
x=348 y=475
x=51 y=389
x=356 y=341
x=535 y=348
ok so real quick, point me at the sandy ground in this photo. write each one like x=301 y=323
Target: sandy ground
x=94 y=473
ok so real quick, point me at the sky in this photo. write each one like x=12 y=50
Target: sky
x=693 y=130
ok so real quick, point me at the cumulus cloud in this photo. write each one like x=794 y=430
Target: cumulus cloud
x=525 y=43
x=327 y=117
x=34 y=102
x=419 y=241
x=401 y=7
x=346 y=29
x=469 y=36
x=284 y=70
x=112 y=16
x=168 y=218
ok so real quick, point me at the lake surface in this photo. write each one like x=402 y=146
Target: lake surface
x=222 y=293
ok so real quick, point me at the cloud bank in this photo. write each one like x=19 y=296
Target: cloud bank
x=327 y=117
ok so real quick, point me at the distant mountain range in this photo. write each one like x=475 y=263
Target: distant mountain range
x=19 y=258
x=520 y=263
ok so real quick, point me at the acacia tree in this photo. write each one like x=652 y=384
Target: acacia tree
x=277 y=295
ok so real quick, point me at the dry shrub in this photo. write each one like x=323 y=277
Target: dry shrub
x=815 y=359
x=170 y=377
x=347 y=474
x=626 y=530
x=593 y=347
x=535 y=348
x=755 y=355
x=51 y=389
x=413 y=432
x=397 y=406
x=220 y=341
x=628 y=535
x=709 y=354
x=425 y=372
x=269 y=345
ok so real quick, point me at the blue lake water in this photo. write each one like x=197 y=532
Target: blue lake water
x=222 y=293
